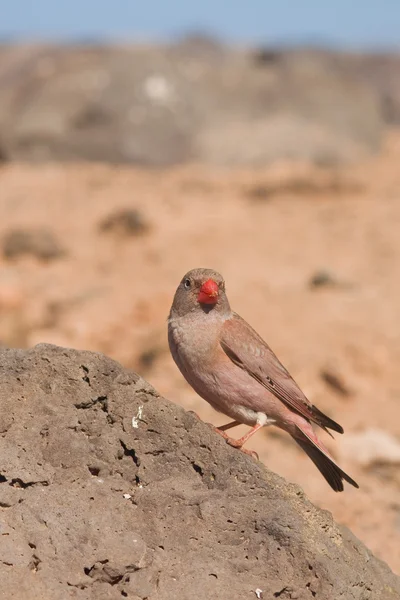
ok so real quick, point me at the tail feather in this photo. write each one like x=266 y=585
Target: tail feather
x=333 y=474
x=326 y=422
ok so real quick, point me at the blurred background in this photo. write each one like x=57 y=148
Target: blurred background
x=140 y=140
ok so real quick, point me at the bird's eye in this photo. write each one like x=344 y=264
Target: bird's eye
x=187 y=284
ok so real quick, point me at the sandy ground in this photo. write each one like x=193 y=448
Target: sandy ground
x=269 y=231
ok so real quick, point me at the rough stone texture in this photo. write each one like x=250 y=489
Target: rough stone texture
x=94 y=505
x=194 y=100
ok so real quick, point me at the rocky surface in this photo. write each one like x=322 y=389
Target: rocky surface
x=107 y=491
x=196 y=100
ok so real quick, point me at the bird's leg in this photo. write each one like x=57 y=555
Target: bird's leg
x=221 y=430
x=232 y=441
x=238 y=443
x=241 y=441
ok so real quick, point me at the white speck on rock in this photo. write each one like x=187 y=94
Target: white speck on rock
x=258 y=593
x=135 y=420
x=127 y=496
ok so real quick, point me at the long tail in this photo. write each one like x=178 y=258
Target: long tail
x=333 y=474
x=325 y=422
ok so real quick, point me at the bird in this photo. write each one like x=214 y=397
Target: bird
x=231 y=367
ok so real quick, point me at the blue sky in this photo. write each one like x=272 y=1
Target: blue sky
x=346 y=23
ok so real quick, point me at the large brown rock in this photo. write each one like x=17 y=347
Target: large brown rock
x=195 y=100
x=107 y=491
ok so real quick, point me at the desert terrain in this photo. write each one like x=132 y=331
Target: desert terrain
x=91 y=255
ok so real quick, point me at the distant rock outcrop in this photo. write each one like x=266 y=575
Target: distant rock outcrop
x=109 y=491
x=195 y=100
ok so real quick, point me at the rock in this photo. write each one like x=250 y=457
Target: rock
x=40 y=243
x=371 y=446
x=196 y=100
x=96 y=504
x=148 y=357
x=322 y=278
x=335 y=381
x=126 y=222
x=303 y=182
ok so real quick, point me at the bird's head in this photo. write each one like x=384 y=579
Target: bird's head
x=200 y=290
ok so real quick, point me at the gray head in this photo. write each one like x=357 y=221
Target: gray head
x=200 y=290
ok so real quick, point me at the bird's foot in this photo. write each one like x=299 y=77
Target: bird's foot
x=239 y=445
x=235 y=443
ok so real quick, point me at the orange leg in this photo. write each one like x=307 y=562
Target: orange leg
x=238 y=443
x=221 y=431
x=241 y=441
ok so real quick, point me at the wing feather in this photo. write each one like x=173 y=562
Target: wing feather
x=250 y=352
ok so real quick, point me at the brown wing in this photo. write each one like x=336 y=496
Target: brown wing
x=248 y=351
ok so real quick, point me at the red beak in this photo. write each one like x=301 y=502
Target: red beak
x=208 y=292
